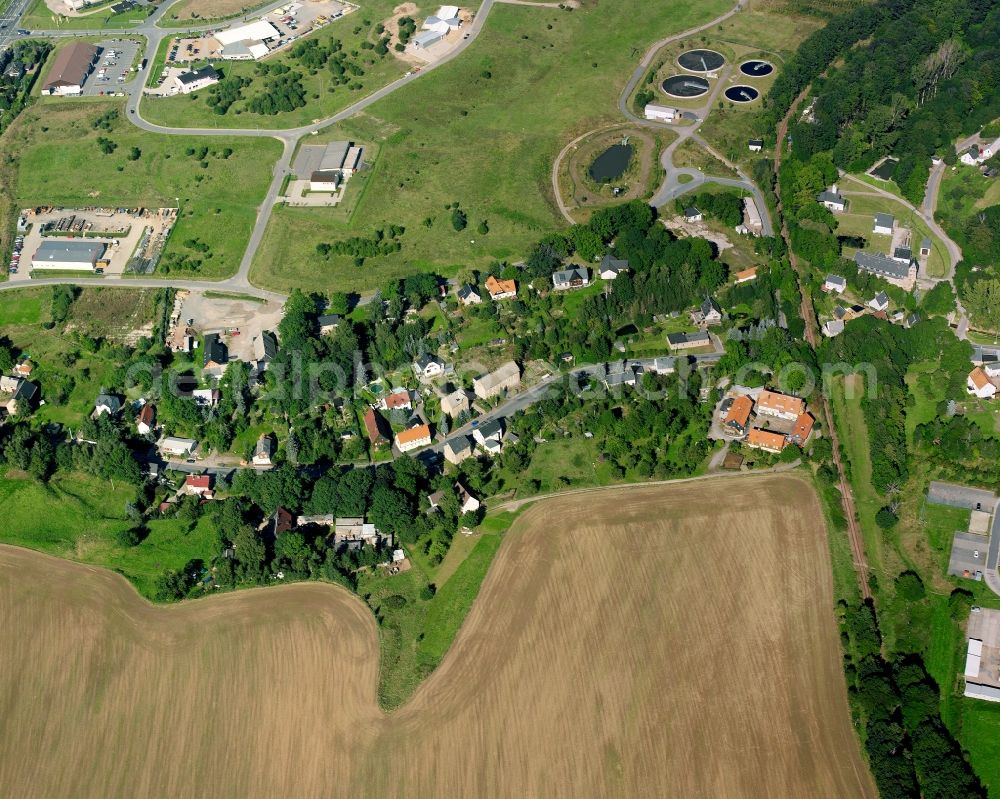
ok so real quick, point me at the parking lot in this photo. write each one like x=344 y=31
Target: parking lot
x=968 y=555
x=113 y=70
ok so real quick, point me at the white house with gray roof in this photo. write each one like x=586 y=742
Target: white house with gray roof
x=884 y=223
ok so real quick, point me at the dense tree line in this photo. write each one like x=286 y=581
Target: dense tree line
x=821 y=48
x=890 y=350
x=911 y=753
x=929 y=73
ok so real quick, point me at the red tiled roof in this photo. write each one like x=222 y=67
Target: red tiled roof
x=400 y=399
x=803 y=427
x=198 y=481
x=780 y=403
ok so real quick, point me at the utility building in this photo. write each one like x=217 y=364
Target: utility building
x=67 y=255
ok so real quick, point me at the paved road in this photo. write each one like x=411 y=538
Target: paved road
x=10 y=20
x=992 y=578
x=525 y=399
x=231 y=285
x=672 y=187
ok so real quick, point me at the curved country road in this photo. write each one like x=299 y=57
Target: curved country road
x=291 y=137
x=672 y=186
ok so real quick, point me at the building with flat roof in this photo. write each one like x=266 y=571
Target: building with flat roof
x=70 y=69
x=982 y=657
x=334 y=155
x=325 y=180
x=69 y=255
x=352 y=161
x=660 y=113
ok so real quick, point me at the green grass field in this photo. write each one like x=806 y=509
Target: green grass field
x=487 y=143
x=858 y=221
x=416 y=632
x=40 y=17
x=322 y=98
x=55 y=154
x=76 y=515
x=71 y=375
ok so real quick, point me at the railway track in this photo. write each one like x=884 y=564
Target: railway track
x=812 y=336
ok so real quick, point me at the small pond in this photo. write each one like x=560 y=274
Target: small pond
x=612 y=163
x=886 y=169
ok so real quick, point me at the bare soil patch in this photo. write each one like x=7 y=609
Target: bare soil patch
x=657 y=641
x=212 y=9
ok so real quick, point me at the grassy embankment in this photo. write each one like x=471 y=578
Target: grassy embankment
x=40 y=17
x=55 y=160
x=487 y=143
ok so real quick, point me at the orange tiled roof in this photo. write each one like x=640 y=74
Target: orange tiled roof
x=494 y=286
x=739 y=411
x=803 y=427
x=417 y=433
x=780 y=403
x=978 y=377
x=765 y=439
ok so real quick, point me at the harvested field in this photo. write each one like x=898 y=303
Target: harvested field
x=662 y=641
x=212 y=9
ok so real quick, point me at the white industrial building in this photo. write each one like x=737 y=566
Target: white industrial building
x=340 y=160
x=74 y=256
x=660 y=113
x=437 y=26
x=170 y=445
x=324 y=180
x=247 y=41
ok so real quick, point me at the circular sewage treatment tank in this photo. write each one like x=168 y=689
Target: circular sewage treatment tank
x=756 y=69
x=685 y=86
x=742 y=94
x=701 y=60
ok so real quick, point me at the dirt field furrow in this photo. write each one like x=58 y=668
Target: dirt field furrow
x=669 y=641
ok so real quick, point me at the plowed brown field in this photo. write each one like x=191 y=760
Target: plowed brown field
x=642 y=642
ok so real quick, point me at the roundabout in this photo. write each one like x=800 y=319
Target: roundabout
x=742 y=94
x=701 y=60
x=685 y=86
x=756 y=68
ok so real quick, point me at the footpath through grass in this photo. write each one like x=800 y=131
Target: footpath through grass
x=483 y=131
